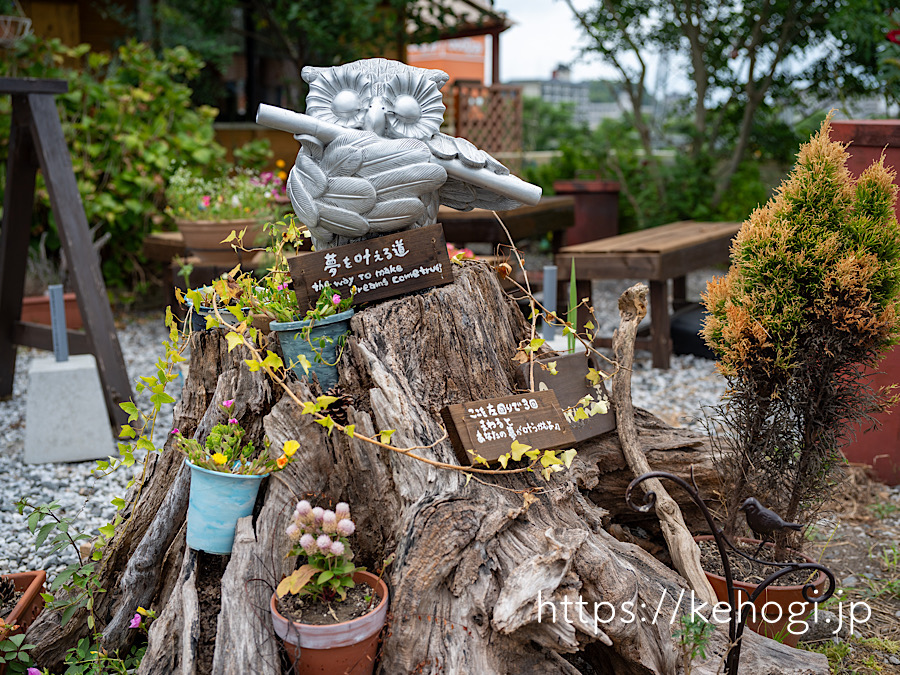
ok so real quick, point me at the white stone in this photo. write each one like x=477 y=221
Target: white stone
x=65 y=415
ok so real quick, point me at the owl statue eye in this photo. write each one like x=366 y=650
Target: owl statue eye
x=417 y=109
x=340 y=96
x=347 y=104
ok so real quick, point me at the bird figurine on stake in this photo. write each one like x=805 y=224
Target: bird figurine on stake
x=373 y=159
x=763 y=521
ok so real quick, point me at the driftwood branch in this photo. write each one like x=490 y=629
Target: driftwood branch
x=684 y=551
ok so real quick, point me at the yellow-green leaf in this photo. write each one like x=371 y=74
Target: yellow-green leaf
x=551 y=368
x=323 y=402
x=234 y=340
x=567 y=456
x=253 y=365
x=350 y=430
x=503 y=459
x=517 y=450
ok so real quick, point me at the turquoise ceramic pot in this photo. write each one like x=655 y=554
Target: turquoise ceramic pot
x=293 y=344
x=199 y=314
x=217 y=500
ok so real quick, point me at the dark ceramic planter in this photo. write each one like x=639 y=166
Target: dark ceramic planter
x=293 y=344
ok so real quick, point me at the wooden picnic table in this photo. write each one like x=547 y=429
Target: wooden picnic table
x=657 y=254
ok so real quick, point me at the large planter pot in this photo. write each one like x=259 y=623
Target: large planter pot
x=879 y=448
x=347 y=648
x=293 y=344
x=596 y=209
x=31 y=604
x=216 y=502
x=203 y=238
x=36 y=309
x=771 y=620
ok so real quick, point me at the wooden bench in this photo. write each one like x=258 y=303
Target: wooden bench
x=657 y=254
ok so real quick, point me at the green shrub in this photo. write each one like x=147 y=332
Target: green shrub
x=129 y=122
x=809 y=303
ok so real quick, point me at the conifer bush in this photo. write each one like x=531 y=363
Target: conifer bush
x=809 y=303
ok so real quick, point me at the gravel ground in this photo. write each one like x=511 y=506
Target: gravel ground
x=677 y=395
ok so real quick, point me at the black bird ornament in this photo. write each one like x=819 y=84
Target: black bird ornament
x=764 y=522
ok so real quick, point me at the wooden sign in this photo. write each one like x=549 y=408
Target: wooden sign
x=571 y=385
x=379 y=268
x=489 y=427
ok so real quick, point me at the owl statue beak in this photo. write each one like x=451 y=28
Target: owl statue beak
x=376 y=117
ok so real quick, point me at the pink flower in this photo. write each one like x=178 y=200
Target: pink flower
x=342 y=510
x=303 y=508
x=282 y=287
x=205 y=201
x=329 y=522
x=32 y=671
x=346 y=527
x=337 y=548
x=293 y=532
x=308 y=543
x=135 y=621
x=174 y=431
x=232 y=421
x=228 y=403
x=317 y=513
x=336 y=299
x=323 y=542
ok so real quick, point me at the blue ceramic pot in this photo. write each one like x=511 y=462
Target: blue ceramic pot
x=217 y=500
x=293 y=344
x=199 y=314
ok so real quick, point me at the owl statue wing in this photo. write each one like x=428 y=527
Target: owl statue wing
x=361 y=183
x=463 y=195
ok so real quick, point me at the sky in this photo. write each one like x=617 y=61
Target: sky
x=544 y=35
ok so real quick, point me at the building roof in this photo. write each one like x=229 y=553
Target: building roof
x=466 y=18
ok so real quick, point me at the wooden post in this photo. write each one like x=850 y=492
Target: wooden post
x=36 y=140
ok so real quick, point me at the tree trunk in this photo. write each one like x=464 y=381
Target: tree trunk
x=482 y=567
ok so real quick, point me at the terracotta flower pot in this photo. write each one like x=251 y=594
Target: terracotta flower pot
x=203 y=238
x=31 y=604
x=347 y=648
x=36 y=309
x=770 y=621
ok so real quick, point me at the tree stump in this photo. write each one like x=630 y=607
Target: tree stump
x=472 y=558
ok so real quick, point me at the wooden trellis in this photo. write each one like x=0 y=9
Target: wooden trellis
x=489 y=116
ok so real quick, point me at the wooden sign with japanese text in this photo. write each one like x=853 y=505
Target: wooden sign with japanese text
x=379 y=268
x=581 y=393
x=489 y=427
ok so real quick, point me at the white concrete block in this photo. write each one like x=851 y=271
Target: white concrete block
x=65 y=415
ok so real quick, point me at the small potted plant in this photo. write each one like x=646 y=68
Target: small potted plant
x=226 y=472
x=20 y=605
x=207 y=210
x=811 y=301
x=328 y=612
x=319 y=337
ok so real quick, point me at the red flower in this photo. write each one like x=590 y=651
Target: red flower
x=894 y=36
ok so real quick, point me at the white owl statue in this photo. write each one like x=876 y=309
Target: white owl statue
x=373 y=160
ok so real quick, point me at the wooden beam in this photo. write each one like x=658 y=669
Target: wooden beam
x=56 y=165
x=18 y=201
x=41 y=337
x=30 y=85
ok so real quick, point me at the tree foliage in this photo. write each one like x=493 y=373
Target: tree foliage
x=810 y=301
x=742 y=58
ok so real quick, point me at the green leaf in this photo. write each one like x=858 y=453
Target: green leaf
x=324 y=576
x=253 y=365
x=350 y=430
x=119 y=503
x=517 y=450
x=131 y=409
x=567 y=456
x=385 y=436
x=323 y=402
x=326 y=422
x=273 y=361
x=234 y=340
x=108 y=530
x=43 y=533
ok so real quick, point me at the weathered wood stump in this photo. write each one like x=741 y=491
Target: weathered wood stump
x=472 y=558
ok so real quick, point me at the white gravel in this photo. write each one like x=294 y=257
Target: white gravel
x=677 y=395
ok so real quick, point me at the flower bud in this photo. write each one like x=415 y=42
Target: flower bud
x=317 y=514
x=308 y=542
x=346 y=527
x=323 y=542
x=337 y=548
x=293 y=532
x=342 y=510
x=303 y=508
x=329 y=522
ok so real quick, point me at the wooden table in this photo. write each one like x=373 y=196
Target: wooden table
x=552 y=215
x=657 y=254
